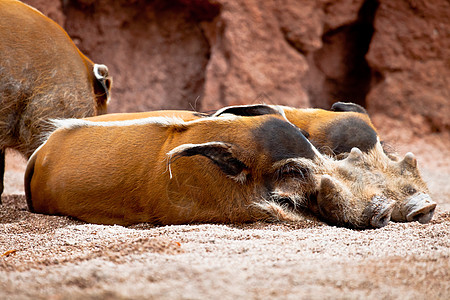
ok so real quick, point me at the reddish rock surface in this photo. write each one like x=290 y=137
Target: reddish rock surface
x=410 y=52
x=391 y=57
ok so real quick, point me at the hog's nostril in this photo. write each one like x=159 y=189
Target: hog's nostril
x=420 y=208
x=380 y=222
x=383 y=216
x=384 y=220
x=423 y=215
x=381 y=219
x=417 y=217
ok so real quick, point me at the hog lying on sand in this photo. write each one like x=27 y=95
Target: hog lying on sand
x=42 y=75
x=167 y=171
x=337 y=132
x=348 y=125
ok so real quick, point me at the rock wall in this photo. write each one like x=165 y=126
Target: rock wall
x=410 y=55
x=390 y=56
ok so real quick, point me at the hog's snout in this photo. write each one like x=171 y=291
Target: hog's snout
x=420 y=208
x=381 y=212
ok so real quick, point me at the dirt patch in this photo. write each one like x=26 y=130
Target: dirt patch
x=54 y=257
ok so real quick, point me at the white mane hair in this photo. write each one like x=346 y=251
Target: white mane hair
x=80 y=123
x=161 y=121
x=72 y=124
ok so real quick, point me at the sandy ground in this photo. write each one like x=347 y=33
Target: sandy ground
x=51 y=257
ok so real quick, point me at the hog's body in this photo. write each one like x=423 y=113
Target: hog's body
x=167 y=171
x=42 y=75
x=336 y=133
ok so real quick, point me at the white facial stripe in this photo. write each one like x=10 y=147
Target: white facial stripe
x=316 y=152
x=220 y=111
x=217 y=113
x=280 y=110
x=289 y=108
x=300 y=161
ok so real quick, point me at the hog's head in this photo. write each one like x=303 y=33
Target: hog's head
x=351 y=197
x=405 y=184
x=400 y=181
x=336 y=191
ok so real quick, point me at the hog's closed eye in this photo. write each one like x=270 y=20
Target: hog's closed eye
x=293 y=171
x=409 y=190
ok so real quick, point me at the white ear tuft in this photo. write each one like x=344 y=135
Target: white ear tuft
x=100 y=71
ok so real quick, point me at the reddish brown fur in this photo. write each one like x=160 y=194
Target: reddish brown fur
x=119 y=173
x=42 y=75
x=398 y=185
x=316 y=121
x=184 y=115
x=313 y=121
x=139 y=162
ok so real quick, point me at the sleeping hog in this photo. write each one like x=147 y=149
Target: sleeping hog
x=165 y=170
x=336 y=133
x=347 y=126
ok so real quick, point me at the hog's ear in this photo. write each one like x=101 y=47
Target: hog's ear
x=221 y=154
x=102 y=85
x=249 y=110
x=355 y=155
x=409 y=161
x=348 y=106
